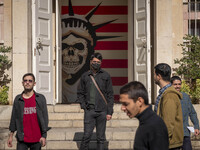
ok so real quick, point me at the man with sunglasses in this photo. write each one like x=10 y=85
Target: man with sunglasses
x=29 y=117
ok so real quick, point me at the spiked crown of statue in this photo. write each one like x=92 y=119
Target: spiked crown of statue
x=81 y=25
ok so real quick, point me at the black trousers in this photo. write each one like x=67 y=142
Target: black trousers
x=187 y=145
x=92 y=119
x=177 y=148
x=25 y=146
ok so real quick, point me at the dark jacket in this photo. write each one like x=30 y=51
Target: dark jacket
x=16 y=122
x=169 y=109
x=104 y=82
x=152 y=132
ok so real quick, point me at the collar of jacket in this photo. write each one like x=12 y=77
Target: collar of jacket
x=143 y=116
x=164 y=88
x=36 y=95
x=99 y=71
x=171 y=89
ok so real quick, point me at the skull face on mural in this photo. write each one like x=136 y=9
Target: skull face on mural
x=74 y=54
x=77 y=47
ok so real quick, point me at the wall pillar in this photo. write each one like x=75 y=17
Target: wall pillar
x=22 y=55
x=168 y=31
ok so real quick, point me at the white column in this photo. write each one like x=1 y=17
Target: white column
x=21 y=13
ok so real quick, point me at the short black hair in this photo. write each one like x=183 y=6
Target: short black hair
x=164 y=70
x=28 y=74
x=135 y=89
x=96 y=55
x=175 y=78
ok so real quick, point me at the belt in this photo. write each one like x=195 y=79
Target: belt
x=91 y=106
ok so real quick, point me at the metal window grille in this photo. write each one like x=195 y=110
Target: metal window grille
x=193 y=17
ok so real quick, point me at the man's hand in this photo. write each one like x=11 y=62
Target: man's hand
x=43 y=141
x=196 y=132
x=10 y=139
x=108 y=117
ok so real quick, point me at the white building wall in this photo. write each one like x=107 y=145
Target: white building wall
x=168 y=32
x=21 y=42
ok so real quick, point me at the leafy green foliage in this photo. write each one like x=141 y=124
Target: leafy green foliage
x=185 y=88
x=5 y=65
x=190 y=62
x=189 y=65
x=4 y=95
x=194 y=95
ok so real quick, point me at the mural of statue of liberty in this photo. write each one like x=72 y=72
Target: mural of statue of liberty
x=78 y=42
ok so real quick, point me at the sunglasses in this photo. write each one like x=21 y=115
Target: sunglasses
x=30 y=81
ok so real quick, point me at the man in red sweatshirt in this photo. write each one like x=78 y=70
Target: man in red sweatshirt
x=29 y=117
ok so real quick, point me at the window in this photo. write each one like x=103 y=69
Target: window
x=194 y=27
x=194 y=5
x=192 y=19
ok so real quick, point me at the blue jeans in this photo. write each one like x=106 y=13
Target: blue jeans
x=25 y=146
x=92 y=119
x=187 y=143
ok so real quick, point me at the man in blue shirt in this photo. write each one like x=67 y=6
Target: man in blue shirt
x=188 y=110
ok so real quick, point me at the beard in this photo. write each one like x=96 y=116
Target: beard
x=28 y=89
x=156 y=82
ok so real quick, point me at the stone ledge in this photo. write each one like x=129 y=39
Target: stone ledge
x=60 y=124
x=5 y=112
x=67 y=108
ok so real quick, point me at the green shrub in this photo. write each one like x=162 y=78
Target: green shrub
x=189 y=66
x=185 y=88
x=5 y=64
x=4 y=95
x=194 y=95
